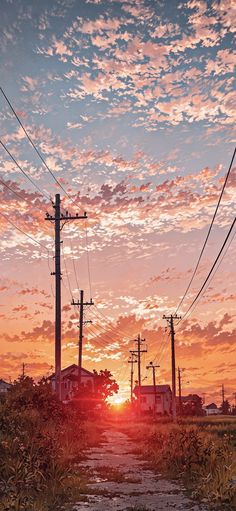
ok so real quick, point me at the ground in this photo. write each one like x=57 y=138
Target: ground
x=120 y=481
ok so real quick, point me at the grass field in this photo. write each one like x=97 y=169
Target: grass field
x=201 y=451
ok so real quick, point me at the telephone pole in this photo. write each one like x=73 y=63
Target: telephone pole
x=138 y=352
x=132 y=361
x=223 y=394
x=170 y=321
x=234 y=394
x=154 y=367
x=180 y=390
x=81 y=304
x=58 y=219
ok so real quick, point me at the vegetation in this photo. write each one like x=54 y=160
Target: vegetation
x=197 y=450
x=40 y=442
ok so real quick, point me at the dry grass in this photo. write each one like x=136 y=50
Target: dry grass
x=201 y=451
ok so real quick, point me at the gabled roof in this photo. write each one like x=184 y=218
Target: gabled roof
x=71 y=369
x=212 y=406
x=149 y=389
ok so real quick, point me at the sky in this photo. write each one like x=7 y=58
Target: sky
x=131 y=104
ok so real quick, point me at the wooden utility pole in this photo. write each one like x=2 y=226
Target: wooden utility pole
x=138 y=352
x=223 y=394
x=170 y=321
x=154 y=367
x=132 y=361
x=81 y=304
x=57 y=219
x=180 y=391
x=234 y=394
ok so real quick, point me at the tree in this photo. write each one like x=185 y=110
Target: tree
x=225 y=407
x=104 y=385
x=192 y=405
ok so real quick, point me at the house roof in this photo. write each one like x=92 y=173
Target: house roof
x=149 y=389
x=212 y=406
x=70 y=369
x=5 y=382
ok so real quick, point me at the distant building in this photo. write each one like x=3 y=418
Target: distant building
x=4 y=386
x=148 y=396
x=212 y=409
x=69 y=381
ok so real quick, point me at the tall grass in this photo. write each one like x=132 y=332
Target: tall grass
x=40 y=441
x=200 y=454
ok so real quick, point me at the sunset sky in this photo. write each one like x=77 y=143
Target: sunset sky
x=132 y=105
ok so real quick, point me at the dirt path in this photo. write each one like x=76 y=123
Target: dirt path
x=120 y=481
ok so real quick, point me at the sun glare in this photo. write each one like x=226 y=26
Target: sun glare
x=116 y=400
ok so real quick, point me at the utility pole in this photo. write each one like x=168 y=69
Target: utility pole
x=132 y=361
x=81 y=304
x=23 y=369
x=234 y=394
x=138 y=352
x=59 y=218
x=154 y=367
x=180 y=390
x=223 y=395
x=170 y=321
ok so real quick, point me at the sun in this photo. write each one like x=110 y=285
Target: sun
x=116 y=401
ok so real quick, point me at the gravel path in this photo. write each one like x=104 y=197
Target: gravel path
x=120 y=481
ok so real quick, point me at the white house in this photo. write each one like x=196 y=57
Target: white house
x=4 y=386
x=69 y=381
x=151 y=399
x=212 y=409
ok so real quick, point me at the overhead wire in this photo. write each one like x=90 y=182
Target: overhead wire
x=212 y=276
x=33 y=144
x=23 y=232
x=88 y=258
x=210 y=272
x=106 y=328
x=208 y=232
x=25 y=173
x=67 y=274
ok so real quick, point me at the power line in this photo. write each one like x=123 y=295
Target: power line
x=33 y=144
x=211 y=270
x=23 y=172
x=67 y=274
x=208 y=233
x=13 y=191
x=126 y=334
x=88 y=260
x=218 y=265
x=106 y=328
x=23 y=232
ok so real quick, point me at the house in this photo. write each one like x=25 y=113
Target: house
x=212 y=409
x=69 y=381
x=4 y=386
x=154 y=399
